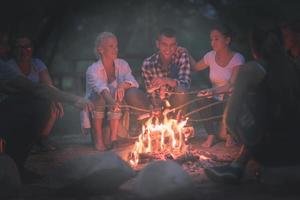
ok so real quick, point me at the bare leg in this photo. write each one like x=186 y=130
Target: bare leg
x=114 y=124
x=114 y=120
x=223 y=131
x=49 y=125
x=97 y=122
x=210 y=141
x=97 y=133
x=42 y=143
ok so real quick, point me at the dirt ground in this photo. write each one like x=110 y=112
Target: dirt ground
x=276 y=183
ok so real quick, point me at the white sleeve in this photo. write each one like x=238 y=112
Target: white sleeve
x=94 y=81
x=127 y=75
x=207 y=58
x=238 y=60
x=39 y=65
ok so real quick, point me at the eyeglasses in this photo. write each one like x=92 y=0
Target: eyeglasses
x=26 y=47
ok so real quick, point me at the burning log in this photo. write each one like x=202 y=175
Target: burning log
x=187 y=157
x=160 y=137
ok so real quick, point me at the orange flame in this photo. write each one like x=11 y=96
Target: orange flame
x=158 y=137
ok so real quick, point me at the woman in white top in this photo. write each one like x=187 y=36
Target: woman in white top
x=223 y=66
x=109 y=81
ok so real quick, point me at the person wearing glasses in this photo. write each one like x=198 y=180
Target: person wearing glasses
x=35 y=70
x=23 y=110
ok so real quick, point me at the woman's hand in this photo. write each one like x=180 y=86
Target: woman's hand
x=120 y=92
x=84 y=104
x=57 y=109
x=115 y=106
x=204 y=93
x=60 y=109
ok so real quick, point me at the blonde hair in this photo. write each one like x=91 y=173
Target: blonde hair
x=99 y=40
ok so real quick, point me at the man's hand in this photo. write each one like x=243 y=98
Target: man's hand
x=159 y=82
x=84 y=104
x=57 y=107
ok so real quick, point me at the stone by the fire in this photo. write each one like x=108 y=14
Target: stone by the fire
x=101 y=173
x=10 y=182
x=163 y=180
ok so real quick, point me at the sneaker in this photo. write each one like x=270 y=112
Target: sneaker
x=224 y=174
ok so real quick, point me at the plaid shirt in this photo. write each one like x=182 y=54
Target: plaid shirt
x=152 y=68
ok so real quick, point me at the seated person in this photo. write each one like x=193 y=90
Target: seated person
x=22 y=111
x=35 y=70
x=109 y=81
x=167 y=70
x=291 y=39
x=223 y=65
x=263 y=111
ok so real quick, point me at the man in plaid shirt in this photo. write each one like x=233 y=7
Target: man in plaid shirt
x=167 y=70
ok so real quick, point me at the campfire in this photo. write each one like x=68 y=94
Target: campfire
x=163 y=134
x=166 y=136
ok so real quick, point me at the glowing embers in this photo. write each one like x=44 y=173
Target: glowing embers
x=166 y=136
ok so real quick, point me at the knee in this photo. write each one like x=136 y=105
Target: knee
x=99 y=103
x=228 y=122
x=114 y=115
x=132 y=92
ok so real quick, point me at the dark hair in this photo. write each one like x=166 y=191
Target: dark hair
x=15 y=46
x=267 y=43
x=224 y=29
x=167 y=31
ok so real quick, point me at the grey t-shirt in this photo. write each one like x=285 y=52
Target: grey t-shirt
x=37 y=66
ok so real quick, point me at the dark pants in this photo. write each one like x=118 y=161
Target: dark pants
x=271 y=141
x=212 y=127
x=22 y=117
